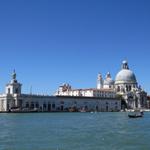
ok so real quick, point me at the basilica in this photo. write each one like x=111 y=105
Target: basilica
x=109 y=95
x=125 y=86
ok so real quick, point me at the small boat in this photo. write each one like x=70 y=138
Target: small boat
x=14 y=109
x=135 y=114
x=82 y=110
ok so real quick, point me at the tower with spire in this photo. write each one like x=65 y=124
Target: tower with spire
x=14 y=87
x=99 y=81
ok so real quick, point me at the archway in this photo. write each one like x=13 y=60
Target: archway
x=49 y=107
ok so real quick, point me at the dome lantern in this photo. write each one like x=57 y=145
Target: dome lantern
x=108 y=75
x=125 y=65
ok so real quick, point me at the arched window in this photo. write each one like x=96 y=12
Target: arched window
x=49 y=107
x=27 y=105
x=62 y=108
x=37 y=105
x=86 y=107
x=118 y=88
x=44 y=106
x=32 y=105
x=8 y=90
x=107 y=108
x=129 y=87
x=16 y=90
x=53 y=106
x=96 y=108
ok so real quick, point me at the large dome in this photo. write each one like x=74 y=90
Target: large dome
x=125 y=75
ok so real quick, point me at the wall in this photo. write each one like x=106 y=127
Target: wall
x=64 y=103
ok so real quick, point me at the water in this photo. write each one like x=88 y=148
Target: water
x=74 y=131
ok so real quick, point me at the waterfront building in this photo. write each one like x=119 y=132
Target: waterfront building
x=127 y=86
x=124 y=86
x=14 y=100
x=109 y=95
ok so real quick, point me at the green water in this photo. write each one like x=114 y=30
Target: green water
x=74 y=131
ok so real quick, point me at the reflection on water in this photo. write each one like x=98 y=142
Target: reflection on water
x=74 y=131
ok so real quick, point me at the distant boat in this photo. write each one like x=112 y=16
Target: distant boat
x=135 y=114
x=146 y=110
x=82 y=110
x=14 y=109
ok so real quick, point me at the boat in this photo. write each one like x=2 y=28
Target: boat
x=14 y=109
x=82 y=110
x=135 y=114
x=146 y=110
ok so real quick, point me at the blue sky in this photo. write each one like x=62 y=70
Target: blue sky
x=50 y=42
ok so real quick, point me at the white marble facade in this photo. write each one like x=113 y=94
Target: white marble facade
x=109 y=95
x=14 y=100
x=125 y=86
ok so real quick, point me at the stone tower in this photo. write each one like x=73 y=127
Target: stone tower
x=13 y=87
x=99 y=81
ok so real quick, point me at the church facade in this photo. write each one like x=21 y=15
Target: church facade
x=109 y=95
x=125 y=86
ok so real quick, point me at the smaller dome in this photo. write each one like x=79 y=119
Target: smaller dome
x=109 y=82
x=108 y=75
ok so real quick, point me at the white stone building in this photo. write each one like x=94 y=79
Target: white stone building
x=109 y=95
x=124 y=86
x=89 y=100
x=66 y=90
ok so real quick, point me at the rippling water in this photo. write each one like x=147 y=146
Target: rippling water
x=74 y=131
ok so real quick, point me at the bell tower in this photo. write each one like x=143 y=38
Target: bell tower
x=14 y=87
x=99 y=81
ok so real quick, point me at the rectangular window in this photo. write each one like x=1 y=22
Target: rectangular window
x=53 y=105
